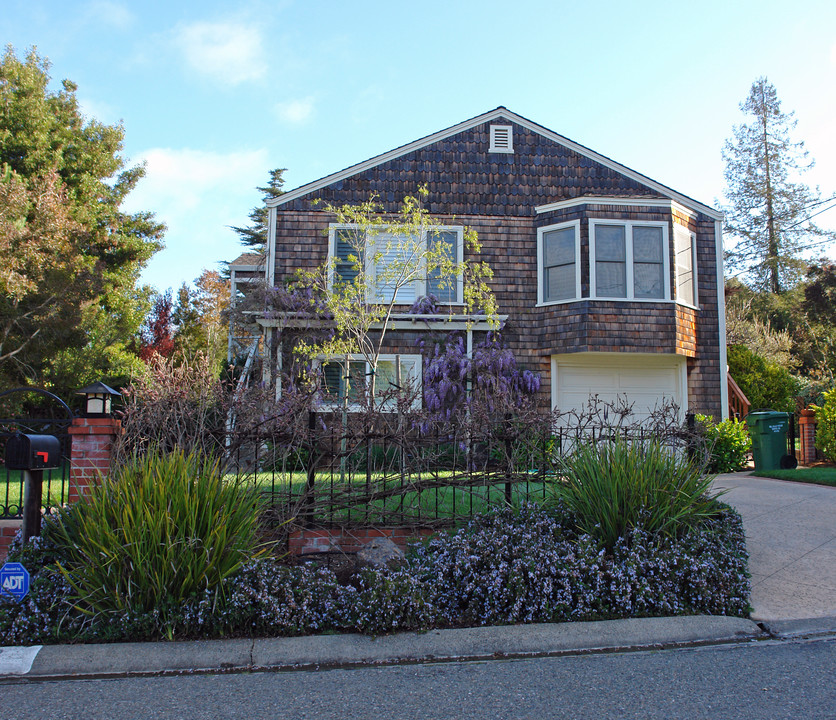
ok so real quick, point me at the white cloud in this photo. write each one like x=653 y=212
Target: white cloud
x=296 y=112
x=231 y=52
x=198 y=195
x=833 y=54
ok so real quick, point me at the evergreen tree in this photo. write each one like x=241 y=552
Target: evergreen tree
x=255 y=235
x=769 y=209
x=70 y=257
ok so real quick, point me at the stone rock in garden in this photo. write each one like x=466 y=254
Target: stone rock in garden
x=380 y=552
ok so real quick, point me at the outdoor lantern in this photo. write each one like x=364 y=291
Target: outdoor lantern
x=98 y=399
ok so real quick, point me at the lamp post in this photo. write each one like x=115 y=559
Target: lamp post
x=98 y=397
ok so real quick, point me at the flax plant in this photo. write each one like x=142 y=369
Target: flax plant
x=614 y=486
x=161 y=529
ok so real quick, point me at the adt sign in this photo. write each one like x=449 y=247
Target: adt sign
x=14 y=580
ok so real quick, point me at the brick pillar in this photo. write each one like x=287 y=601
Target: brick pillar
x=807 y=439
x=92 y=440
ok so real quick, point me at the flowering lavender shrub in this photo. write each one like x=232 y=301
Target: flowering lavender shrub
x=505 y=567
x=533 y=567
x=383 y=601
x=45 y=615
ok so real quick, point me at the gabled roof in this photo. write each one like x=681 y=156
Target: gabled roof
x=504 y=113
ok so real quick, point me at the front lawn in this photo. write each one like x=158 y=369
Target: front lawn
x=817 y=475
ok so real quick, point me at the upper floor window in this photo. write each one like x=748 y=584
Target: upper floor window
x=629 y=260
x=399 y=268
x=558 y=260
x=685 y=264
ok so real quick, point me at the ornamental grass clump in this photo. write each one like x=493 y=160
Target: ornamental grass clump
x=161 y=529
x=614 y=486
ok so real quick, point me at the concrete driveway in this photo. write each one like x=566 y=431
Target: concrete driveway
x=791 y=537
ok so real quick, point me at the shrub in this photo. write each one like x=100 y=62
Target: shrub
x=765 y=384
x=534 y=567
x=826 y=425
x=161 y=529
x=504 y=567
x=616 y=485
x=727 y=443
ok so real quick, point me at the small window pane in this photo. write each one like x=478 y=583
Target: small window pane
x=332 y=376
x=610 y=244
x=648 y=278
x=683 y=245
x=610 y=279
x=445 y=288
x=560 y=283
x=559 y=247
x=685 y=288
x=647 y=244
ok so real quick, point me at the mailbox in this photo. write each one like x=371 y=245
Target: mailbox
x=33 y=452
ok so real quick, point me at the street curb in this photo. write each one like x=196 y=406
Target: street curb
x=331 y=651
x=792 y=629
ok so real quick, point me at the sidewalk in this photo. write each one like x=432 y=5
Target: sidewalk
x=791 y=538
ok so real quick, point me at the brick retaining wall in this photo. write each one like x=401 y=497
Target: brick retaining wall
x=350 y=540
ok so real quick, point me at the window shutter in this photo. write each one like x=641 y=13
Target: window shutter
x=346 y=255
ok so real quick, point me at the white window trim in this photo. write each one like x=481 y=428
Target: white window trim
x=541 y=263
x=628 y=236
x=418 y=377
x=420 y=283
x=506 y=137
x=694 y=269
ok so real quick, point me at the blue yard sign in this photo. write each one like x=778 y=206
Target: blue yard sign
x=14 y=580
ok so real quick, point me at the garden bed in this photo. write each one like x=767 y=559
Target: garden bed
x=502 y=568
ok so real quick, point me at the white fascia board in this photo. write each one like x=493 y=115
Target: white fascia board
x=499 y=112
x=399 y=321
x=634 y=201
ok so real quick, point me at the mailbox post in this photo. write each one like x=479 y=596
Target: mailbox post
x=32 y=454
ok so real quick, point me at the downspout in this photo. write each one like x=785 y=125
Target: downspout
x=721 y=321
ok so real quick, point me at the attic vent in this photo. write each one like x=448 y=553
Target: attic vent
x=502 y=139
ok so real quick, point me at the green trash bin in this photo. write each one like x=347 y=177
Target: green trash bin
x=768 y=429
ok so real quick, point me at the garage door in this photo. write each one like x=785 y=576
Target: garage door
x=647 y=381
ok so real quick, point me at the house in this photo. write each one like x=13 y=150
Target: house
x=607 y=281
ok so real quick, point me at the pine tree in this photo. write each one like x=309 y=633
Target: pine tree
x=769 y=209
x=255 y=236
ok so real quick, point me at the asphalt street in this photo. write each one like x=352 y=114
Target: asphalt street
x=754 y=680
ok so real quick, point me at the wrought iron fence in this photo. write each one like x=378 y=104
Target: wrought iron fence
x=337 y=476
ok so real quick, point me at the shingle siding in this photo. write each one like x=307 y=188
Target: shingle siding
x=496 y=195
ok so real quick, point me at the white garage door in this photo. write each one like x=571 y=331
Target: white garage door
x=647 y=381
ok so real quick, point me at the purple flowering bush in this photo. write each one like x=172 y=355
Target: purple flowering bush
x=529 y=565
x=534 y=567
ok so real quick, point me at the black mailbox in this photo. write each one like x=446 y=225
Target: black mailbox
x=33 y=452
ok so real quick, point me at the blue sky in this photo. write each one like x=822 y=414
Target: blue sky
x=215 y=94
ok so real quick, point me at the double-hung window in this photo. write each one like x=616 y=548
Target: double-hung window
x=399 y=267
x=558 y=259
x=350 y=378
x=684 y=244
x=629 y=260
